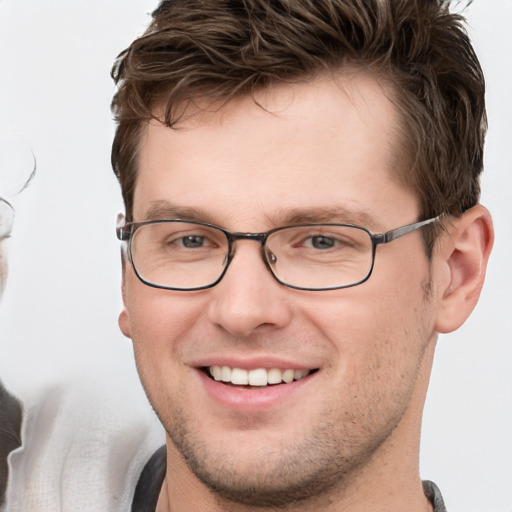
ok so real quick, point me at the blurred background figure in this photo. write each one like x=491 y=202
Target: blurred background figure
x=17 y=168
x=6 y=221
x=67 y=442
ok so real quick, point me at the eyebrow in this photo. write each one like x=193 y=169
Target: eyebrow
x=329 y=215
x=160 y=210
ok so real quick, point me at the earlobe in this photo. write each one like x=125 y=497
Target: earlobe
x=124 y=322
x=124 y=317
x=464 y=252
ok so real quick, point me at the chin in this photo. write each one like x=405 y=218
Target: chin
x=265 y=469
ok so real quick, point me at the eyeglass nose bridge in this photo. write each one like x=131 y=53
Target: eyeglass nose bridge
x=268 y=258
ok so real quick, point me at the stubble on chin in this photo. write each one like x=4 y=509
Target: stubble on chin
x=312 y=470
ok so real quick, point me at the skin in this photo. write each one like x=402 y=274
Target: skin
x=347 y=436
x=3 y=269
x=3 y=260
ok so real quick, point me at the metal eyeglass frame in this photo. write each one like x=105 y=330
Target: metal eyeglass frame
x=125 y=231
x=6 y=218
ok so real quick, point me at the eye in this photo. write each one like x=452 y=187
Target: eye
x=191 y=241
x=318 y=239
x=322 y=242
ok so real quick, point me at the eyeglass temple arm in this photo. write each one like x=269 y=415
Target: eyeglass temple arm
x=122 y=233
x=405 y=230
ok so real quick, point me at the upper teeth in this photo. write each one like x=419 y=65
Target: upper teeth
x=257 y=377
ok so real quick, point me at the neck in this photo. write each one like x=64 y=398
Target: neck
x=385 y=489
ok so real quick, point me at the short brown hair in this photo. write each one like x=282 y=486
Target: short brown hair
x=224 y=48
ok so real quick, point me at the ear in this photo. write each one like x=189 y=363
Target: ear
x=124 y=317
x=463 y=253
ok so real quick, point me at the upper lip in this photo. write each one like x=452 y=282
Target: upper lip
x=252 y=363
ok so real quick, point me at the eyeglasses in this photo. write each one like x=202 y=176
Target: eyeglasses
x=6 y=218
x=177 y=254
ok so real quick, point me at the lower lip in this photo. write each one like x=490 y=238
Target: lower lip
x=251 y=399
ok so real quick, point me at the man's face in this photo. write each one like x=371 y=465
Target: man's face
x=319 y=152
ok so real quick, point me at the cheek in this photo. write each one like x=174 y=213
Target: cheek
x=378 y=326
x=159 y=320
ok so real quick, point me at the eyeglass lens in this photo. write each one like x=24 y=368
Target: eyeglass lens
x=185 y=255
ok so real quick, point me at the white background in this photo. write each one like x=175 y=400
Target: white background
x=58 y=318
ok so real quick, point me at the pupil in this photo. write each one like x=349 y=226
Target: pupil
x=322 y=242
x=193 y=241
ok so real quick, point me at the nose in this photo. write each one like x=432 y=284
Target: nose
x=248 y=298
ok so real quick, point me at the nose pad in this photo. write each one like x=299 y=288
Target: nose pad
x=271 y=257
x=229 y=255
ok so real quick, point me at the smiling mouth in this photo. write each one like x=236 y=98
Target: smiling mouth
x=259 y=377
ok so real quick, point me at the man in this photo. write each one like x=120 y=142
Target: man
x=301 y=184
x=10 y=409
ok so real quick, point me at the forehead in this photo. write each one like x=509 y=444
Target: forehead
x=329 y=142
